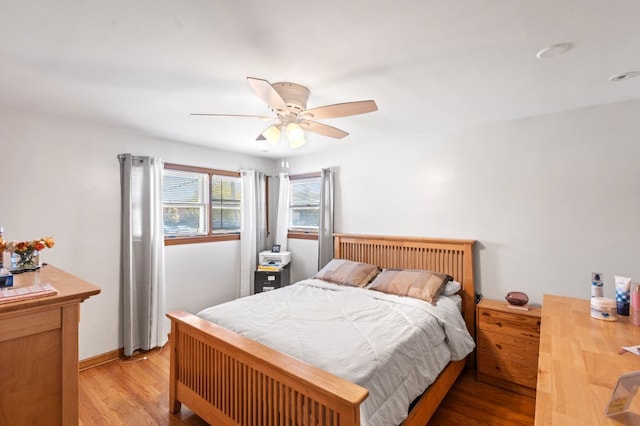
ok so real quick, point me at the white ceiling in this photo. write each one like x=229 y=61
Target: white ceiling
x=431 y=65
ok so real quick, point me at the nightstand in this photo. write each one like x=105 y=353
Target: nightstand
x=271 y=280
x=507 y=346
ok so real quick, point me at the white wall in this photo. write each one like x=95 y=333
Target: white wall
x=549 y=199
x=304 y=258
x=62 y=178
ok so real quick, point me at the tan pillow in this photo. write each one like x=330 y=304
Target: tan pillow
x=347 y=272
x=421 y=284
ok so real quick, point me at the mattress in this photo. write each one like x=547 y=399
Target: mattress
x=393 y=346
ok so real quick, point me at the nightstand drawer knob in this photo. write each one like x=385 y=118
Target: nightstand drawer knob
x=498 y=323
x=498 y=346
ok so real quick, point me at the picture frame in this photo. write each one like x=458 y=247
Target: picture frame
x=626 y=388
x=275 y=248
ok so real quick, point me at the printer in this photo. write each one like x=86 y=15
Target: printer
x=268 y=257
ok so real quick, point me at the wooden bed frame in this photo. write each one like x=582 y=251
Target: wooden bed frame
x=229 y=379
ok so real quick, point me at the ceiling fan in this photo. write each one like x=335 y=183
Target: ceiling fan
x=289 y=102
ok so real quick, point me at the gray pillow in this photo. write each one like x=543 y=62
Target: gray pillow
x=347 y=272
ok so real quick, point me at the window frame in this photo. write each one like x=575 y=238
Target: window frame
x=296 y=233
x=210 y=237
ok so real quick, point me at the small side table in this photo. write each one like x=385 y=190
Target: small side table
x=508 y=342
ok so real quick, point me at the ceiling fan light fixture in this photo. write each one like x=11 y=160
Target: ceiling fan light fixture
x=272 y=134
x=295 y=132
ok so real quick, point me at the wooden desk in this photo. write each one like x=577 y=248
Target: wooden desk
x=579 y=364
x=39 y=351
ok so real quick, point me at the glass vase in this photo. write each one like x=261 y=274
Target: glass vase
x=28 y=259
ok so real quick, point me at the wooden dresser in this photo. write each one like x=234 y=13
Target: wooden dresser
x=580 y=363
x=39 y=351
x=508 y=340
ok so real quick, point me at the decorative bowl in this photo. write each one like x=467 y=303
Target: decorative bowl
x=517 y=298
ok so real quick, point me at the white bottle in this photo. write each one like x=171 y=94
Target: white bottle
x=596 y=285
x=5 y=256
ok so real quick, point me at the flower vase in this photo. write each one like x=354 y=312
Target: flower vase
x=28 y=259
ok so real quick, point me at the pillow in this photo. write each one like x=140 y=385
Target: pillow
x=421 y=284
x=451 y=288
x=347 y=272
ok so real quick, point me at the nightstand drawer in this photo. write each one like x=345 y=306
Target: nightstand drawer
x=508 y=323
x=508 y=369
x=504 y=345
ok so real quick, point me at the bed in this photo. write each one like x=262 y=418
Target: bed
x=228 y=378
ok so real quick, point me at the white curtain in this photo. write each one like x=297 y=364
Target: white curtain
x=325 y=230
x=142 y=253
x=282 y=225
x=253 y=237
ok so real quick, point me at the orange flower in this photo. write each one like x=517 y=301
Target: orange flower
x=49 y=241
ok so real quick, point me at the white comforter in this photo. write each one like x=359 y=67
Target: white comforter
x=393 y=346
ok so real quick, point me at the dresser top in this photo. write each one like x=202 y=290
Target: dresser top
x=501 y=305
x=579 y=364
x=71 y=289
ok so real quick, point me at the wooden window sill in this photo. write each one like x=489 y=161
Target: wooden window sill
x=299 y=235
x=174 y=241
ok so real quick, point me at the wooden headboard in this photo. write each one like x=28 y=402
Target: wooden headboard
x=449 y=256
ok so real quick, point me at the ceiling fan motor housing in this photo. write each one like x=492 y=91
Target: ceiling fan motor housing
x=294 y=95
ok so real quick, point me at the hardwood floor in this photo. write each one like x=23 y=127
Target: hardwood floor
x=136 y=392
x=470 y=402
x=130 y=392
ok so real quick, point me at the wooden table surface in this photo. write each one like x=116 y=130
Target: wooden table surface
x=579 y=364
x=70 y=288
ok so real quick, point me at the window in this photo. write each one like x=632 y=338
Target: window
x=200 y=204
x=304 y=204
x=225 y=204
x=185 y=203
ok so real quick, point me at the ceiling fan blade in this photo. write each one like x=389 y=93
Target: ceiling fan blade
x=260 y=117
x=341 y=110
x=267 y=93
x=323 y=129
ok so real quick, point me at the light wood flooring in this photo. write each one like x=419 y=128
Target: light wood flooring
x=136 y=392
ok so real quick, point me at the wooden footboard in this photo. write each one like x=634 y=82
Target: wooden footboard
x=229 y=379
